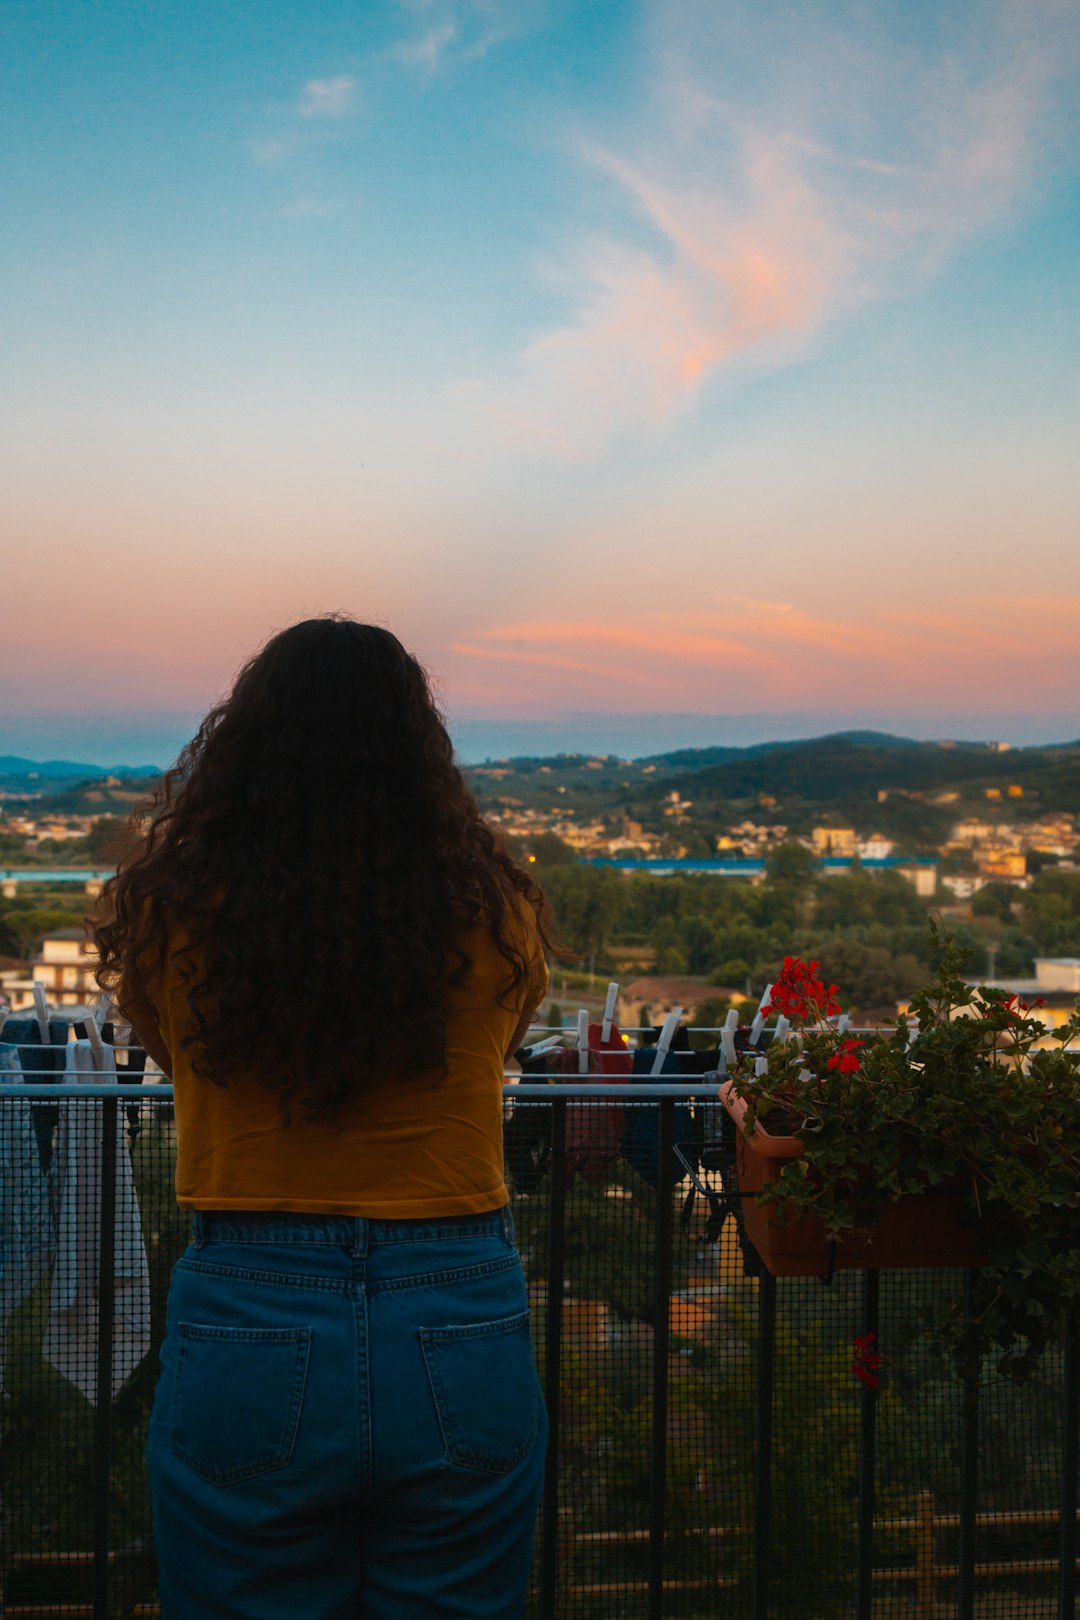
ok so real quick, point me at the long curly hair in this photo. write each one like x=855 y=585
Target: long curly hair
x=325 y=859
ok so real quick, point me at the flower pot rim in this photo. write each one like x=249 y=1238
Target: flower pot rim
x=768 y=1145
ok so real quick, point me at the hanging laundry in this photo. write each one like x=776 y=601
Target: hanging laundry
x=130 y=1071
x=42 y=1062
x=27 y=1235
x=71 y=1338
x=594 y=1130
x=640 y=1143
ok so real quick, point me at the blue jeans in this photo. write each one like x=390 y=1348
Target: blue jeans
x=348 y=1423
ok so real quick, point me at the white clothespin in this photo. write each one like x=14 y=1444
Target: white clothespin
x=729 y=1050
x=541 y=1047
x=759 y=1017
x=783 y=1028
x=667 y=1035
x=912 y=1033
x=97 y=1045
x=583 y=1041
x=761 y=1067
x=843 y=1023
x=609 y=1013
x=41 y=1011
x=101 y=1010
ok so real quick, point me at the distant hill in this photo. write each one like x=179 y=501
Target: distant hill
x=842 y=767
x=697 y=759
x=68 y=770
x=911 y=792
x=853 y=765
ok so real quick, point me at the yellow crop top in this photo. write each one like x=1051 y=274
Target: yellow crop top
x=406 y=1148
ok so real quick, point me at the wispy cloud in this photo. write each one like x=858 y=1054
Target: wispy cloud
x=782 y=174
x=749 y=653
x=321 y=108
x=425 y=50
x=328 y=98
x=462 y=30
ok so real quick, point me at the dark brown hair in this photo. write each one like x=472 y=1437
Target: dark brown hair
x=325 y=857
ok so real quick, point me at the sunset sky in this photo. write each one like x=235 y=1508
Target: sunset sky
x=628 y=359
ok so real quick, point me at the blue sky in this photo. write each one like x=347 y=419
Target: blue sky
x=639 y=358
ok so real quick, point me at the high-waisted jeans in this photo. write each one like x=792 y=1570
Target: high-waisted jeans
x=348 y=1423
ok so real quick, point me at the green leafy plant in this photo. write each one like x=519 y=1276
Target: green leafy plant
x=963 y=1095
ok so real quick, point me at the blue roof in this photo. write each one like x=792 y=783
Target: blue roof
x=744 y=865
x=54 y=874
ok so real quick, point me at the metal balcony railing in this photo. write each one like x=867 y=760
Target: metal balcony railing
x=712 y=1452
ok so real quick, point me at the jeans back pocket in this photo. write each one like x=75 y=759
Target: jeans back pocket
x=486 y=1392
x=237 y=1398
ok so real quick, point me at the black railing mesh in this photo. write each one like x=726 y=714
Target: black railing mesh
x=716 y=1454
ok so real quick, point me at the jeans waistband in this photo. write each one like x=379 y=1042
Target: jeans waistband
x=342 y=1231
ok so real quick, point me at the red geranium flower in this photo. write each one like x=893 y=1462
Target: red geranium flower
x=845 y=1060
x=800 y=995
x=867 y=1361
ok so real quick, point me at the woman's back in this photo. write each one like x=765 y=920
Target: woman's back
x=404 y=1146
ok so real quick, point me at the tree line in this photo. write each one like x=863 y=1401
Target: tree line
x=868 y=929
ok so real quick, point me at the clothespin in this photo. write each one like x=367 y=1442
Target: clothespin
x=97 y=1045
x=783 y=1027
x=761 y=1067
x=5 y=1014
x=759 y=1017
x=583 y=1041
x=101 y=1010
x=912 y=1032
x=541 y=1047
x=732 y=1020
x=41 y=1011
x=843 y=1023
x=667 y=1035
x=609 y=1013
x=728 y=1047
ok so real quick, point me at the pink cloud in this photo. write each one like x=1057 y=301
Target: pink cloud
x=757 y=654
x=755 y=220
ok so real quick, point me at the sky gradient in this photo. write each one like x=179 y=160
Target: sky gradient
x=639 y=359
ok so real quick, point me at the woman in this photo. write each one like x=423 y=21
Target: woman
x=322 y=944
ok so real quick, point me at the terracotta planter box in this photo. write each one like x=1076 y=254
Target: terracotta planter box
x=917 y=1230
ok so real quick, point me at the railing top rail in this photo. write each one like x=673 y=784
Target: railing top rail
x=57 y=1091
x=646 y=1037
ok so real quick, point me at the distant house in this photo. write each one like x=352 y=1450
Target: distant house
x=14 y=984
x=922 y=875
x=875 y=848
x=66 y=969
x=1003 y=865
x=971 y=831
x=1058 y=973
x=660 y=995
x=1056 y=985
x=834 y=840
